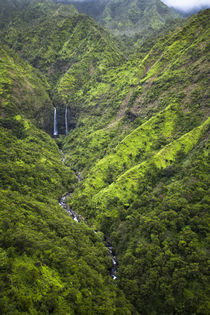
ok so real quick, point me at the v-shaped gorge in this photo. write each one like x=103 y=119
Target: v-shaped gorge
x=48 y=262
x=138 y=133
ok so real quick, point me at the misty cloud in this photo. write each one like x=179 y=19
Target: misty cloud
x=187 y=5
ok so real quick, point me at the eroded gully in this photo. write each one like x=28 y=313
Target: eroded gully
x=79 y=218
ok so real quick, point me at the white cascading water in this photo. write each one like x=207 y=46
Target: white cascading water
x=55 y=133
x=66 y=120
x=78 y=218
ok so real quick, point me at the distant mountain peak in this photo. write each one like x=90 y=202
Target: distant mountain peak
x=127 y=17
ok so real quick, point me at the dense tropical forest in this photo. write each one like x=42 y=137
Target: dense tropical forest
x=104 y=113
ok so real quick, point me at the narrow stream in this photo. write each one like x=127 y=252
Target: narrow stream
x=114 y=262
x=78 y=218
x=72 y=214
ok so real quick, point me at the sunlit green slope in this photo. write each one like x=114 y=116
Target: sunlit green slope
x=49 y=263
x=170 y=80
x=149 y=190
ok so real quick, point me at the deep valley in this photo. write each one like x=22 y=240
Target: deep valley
x=104 y=158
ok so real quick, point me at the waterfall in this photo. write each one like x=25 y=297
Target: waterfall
x=66 y=120
x=55 y=132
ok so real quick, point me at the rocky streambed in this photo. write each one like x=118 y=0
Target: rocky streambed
x=79 y=218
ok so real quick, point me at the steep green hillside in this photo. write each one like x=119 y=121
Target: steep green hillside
x=60 y=38
x=162 y=234
x=173 y=73
x=37 y=33
x=68 y=48
x=49 y=263
x=19 y=11
x=149 y=191
x=23 y=90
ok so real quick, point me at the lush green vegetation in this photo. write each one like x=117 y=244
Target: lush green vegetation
x=48 y=262
x=59 y=38
x=138 y=135
x=70 y=49
x=139 y=90
x=23 y=90
x=126 y=193
x=165 y=229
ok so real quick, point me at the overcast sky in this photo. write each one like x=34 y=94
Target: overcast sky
x=187 y=5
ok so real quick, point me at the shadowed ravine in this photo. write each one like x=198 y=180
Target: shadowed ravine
x=79 y=218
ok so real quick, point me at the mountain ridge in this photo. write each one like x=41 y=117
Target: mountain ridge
x=128 y=17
